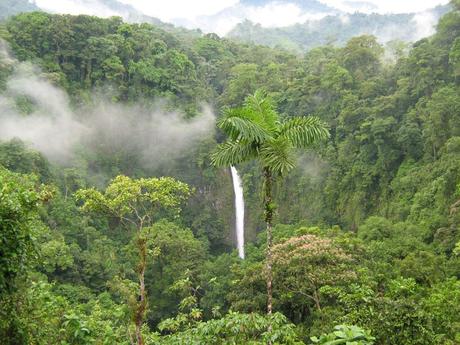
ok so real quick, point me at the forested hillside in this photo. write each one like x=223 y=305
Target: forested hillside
x=116 y=215
x=11 y=7
x=339 y=28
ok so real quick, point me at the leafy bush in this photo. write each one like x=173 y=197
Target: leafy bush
x=349 y=335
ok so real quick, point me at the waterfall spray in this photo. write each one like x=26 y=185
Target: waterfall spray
x=239 y=211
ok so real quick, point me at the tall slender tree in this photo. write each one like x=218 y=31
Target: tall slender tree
x=256 y=132
x=137 y=203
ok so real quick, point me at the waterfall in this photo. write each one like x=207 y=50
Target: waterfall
x=239 y=211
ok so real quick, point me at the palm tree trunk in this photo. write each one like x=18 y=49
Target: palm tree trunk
x=268 y=205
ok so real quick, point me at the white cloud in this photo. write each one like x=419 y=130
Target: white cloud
x=277 y=14
x=170 y=9
x=384 y=6
x=58 y=130
x=274 y=14
x=91 y=7
x=425 y=23
x=221 y=16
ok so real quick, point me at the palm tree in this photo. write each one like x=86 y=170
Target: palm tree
x=256 y=131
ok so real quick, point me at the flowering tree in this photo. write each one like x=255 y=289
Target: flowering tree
x=302 y=265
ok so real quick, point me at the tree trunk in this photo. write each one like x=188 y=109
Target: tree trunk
x=142 y=301
x=268 y=205
x=316 y=299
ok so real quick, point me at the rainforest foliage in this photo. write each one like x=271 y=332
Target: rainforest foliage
x=365 y=239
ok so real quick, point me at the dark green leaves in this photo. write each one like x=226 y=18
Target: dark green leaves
x=19 y=222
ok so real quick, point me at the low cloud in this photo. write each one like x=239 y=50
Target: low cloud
x=58 y=131
x=382 y=7
x=222 y=16
x=271 y=14
x=425 y=23
x=90 y=7
x=51 y=127
x=168 y=10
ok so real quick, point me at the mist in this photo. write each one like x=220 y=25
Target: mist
x=89 y=7
x=222 y=16
x=59 y=131
x=156 y=136
x=312 y=165
x=425 y=23
x=383 y=7
x=224 y=21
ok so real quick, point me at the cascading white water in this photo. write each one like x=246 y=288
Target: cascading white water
x=239 y=211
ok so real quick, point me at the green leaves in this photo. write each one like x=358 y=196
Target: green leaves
x=237 y=127
x=277 y=155
x=233 y=152
x=347 y=335
x=20 y=200
x=138 y=203
x=135 y=202
x=263 y=109
x=77 y=328
x=237 y=328
x=303 y=131
x=303 y=265
x=255 y=131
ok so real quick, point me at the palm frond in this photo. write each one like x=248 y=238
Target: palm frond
x=277 y=156
x=263 y=109
x=238 y=126
x=304 y=131
x=233 y=152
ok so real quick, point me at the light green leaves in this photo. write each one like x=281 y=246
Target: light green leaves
x=347 y=335
x=136 y=201
x=236 y=328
